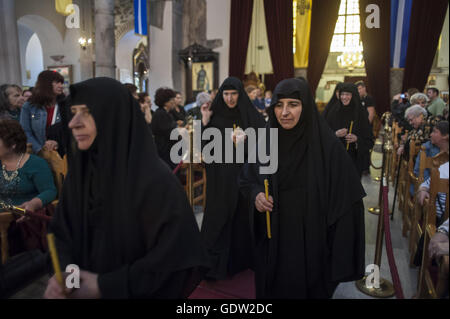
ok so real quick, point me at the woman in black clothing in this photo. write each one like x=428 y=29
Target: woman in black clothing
x=315 y=204
x=163 y=123
x=339 y=115
x=225 y=226
x=123 y=217
x=178 y=112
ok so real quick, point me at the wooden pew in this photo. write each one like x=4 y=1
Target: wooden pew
x=197 y=167
x=419 y=211
x=410 y=179
x=402 y=182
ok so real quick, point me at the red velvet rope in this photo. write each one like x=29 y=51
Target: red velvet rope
x=389 y=251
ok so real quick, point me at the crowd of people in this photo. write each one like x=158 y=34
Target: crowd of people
x=423 y=119
x=123 y=216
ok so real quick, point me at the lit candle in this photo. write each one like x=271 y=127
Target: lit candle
x=55 y=260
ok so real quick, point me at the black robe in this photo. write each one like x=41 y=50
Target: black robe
x=162 y=125
x=122 y=213
x=317 y=224
x=179 y=116
x=339 y=116
x=225 y=226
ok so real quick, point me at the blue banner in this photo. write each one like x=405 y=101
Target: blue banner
x=400 y=23
x=140 y=17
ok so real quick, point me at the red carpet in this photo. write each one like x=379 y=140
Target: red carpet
x=240 y=286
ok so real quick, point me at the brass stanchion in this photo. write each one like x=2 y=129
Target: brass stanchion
x=386 y=148
x=385 y=289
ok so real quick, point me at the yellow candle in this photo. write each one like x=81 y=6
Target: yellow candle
x=266 y=186
x=350 y=132
x=55 y=260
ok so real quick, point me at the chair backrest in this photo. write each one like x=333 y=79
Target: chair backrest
x=437 y=185
x=413 y=151
x=58 y=166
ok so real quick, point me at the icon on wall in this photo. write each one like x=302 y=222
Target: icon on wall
x=202 y=76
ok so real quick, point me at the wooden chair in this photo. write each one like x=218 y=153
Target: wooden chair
x=201 y=183
x=395 y=131
x=418 y=216
x=58 y=166
x=410 y=179
x=427 y=288
x=402 y=181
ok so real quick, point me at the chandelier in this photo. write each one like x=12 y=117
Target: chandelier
x=84 y=43
x=350 y=60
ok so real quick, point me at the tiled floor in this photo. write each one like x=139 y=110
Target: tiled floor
x=408 y=276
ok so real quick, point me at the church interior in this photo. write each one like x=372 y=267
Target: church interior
x=394 y=54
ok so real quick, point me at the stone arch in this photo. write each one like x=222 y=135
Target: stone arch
x=124 y=55
x=49 y=36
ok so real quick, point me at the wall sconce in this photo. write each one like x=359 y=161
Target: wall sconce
x=84 y=43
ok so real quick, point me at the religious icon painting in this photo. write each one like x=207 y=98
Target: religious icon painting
x=202 y=76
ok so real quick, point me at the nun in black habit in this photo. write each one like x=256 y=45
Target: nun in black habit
x=315 y=204
x=123 y=217
x=334 y=98
x=339 y=114
x=225 y=225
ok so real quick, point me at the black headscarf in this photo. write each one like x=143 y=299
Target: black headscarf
x=333 y=214
x=122 y=213
x=244 y=114
x=291 y=144
x=339 y=116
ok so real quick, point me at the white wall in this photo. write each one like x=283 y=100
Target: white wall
x=25 y=35
x=53 y=43
x=34 y=60
x=161 y=54
x=218 y=27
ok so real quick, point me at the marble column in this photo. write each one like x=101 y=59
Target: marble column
x=105 y=56
x=10 y=71
x=87 y=28
x=178 y=72
x=194 y=22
